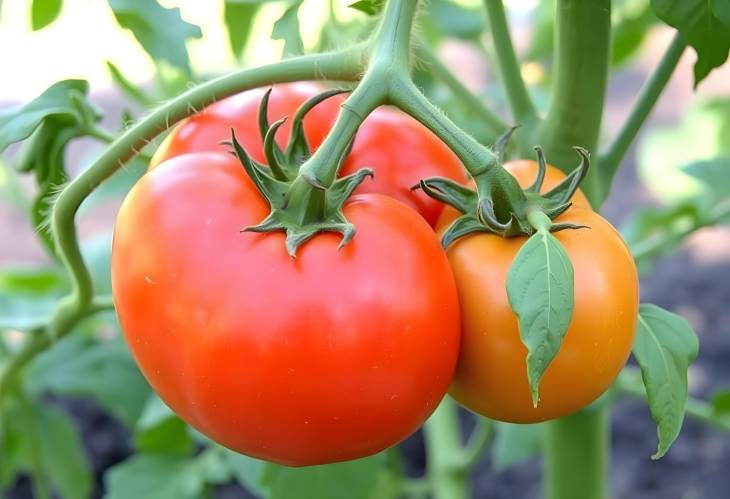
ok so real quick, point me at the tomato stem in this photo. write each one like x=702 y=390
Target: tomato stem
x=443 y=451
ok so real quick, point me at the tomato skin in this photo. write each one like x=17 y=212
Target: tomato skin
x=207 y=129
x=331 y=356
x=402 y=151
x=491 y=377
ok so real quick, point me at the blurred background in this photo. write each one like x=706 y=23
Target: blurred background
x=129 y=71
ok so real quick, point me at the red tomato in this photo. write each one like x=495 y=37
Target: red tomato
x=205 y=131
x=402 y=152
x=331 y=356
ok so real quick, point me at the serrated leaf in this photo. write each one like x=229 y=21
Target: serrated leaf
x=162 y=32
x=18 y=123
x=162 y=476
x=238 y=17
x=44 y=12
x=665 y=345
x=369 y=7
x=105 y=371
x=515 y=443
x=696 y=20
x=540 y=292
x=126 y=86
x=287 y=28
x=352 y=479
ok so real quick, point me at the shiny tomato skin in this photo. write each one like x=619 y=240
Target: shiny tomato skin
x=205 y=130
x=402 y=151
x=491 y=377
x=334 y=355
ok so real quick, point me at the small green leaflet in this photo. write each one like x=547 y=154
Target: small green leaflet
x=238 y=16
x=369 y=7
x=704 y=24
x=665 y=345
x=161 y=32
x=44 y=12
x=287 y=29
x=540 y=292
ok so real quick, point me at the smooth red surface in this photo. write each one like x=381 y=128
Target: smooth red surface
x=402 y=152
x=330 y=356
x=205 y=131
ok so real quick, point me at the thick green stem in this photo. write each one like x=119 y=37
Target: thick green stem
x=648 y=96
x=523 y=110
x=443 y=451
x=494 y=123
x=582 y=50
x=576 y=455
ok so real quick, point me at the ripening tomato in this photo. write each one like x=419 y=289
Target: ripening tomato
x=206 y=130
x=334 y=355
x=402 y=151
x=399 y=149
x=491 y=375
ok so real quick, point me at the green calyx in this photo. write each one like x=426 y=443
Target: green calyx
x=300 y=207
x=499 y=205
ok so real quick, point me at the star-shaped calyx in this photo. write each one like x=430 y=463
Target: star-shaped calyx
x=502 y=209
x=300 y=206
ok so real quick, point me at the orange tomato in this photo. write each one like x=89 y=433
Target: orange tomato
x=491 y=376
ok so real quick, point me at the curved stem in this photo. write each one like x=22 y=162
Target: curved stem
x=477 y=443
x=107 y=137
x=494 y=123
x=443 y=449
x=629 y=383
x=523 y=110
x=582 y=49
x=476 y=157
x=648 y=96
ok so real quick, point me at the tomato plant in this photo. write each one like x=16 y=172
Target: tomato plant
x=282 y=317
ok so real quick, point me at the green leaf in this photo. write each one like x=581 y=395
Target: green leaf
x=80 y=366
x=162 y=476
x=247 y=471
x=238 y=16
x=29 y=296
x=664 y=347
x=631 y=22
x=450 y=19
x=540 y=292
x=369 y=7
x=44 y=12
x=714 y=178
x=721 y=9
x=159 y=430
x=287 y=28
x=162 y=32
x=698 y=23
x=55 y=104
x=97 y=254
x=61 y=453
x=352 y=479
x=515 y=443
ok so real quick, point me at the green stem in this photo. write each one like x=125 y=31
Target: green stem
x=582 y=50
x=107 y=138
x=475 y=156
x=629 y=383
x=494 y=123
x=672 y=235
x=523 y=110
x=648 y=96
x=477 y=443
x=576 y=455
x=443 y=449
